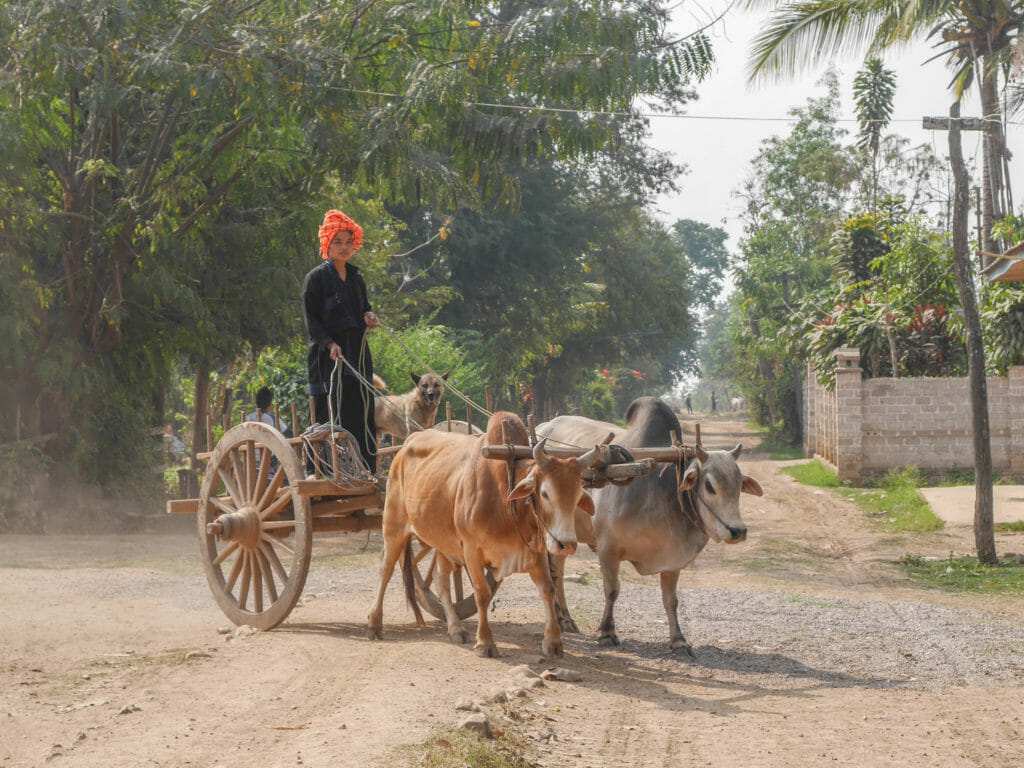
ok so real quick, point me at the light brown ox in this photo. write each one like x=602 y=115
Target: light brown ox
x=441 y=488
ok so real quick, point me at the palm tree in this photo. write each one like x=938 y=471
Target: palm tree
x=976 y=36
x=873 y=89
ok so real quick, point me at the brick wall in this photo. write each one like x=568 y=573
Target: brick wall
x=865 y=427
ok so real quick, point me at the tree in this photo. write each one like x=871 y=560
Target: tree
x=984 y=533
x=796 y=190
x=705 y=249
x=873 y=90
x=169 y=135
x=976 y=37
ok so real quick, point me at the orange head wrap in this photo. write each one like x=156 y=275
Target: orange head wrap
x=335 y=222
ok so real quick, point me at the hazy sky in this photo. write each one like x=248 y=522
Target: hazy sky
x=729 y=121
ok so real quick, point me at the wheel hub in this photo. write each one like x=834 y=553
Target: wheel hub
x=242 y=526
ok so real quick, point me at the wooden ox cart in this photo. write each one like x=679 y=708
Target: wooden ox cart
x=258 y=509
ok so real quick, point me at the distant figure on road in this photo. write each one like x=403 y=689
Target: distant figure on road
x=713 y=403
x=689 y=405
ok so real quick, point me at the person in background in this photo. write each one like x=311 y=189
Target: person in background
x=689 y=405
x=337 y=313
x=264 y=412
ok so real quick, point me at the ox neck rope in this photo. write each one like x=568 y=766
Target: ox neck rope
x=512 y=508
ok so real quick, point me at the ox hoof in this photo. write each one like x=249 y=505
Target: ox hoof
x=609 y=640
x=374 y=633
x=459 y=636
x=683 y=648
x=486 y=650
x=551 y=649
x=568 y=625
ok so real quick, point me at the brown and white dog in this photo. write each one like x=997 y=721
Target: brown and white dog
x=400 y=415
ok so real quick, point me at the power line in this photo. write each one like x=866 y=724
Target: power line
x=606 y=113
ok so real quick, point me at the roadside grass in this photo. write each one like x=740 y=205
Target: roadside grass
x=963 y=573
x=894 y=502
x=460 y=749
x=813 y=473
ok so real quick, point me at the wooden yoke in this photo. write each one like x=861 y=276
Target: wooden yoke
x=603 y=470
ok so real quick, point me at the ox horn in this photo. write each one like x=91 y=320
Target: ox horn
x=589 y=459
x=700 y=453
x=737 y=450
x=539 y=457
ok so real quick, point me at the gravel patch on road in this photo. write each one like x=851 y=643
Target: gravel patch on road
x=838 y=642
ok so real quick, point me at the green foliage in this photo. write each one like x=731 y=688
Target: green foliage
x=164 y=177
x=283 y=369
x=1017 y=526
x=598 y=397
x=896 y=276
x=26 y=475
x=966 y=574
x=422 y=346
x=705 y=250
x=874 y=88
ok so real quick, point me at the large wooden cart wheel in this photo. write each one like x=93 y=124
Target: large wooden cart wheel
x=425 y=562
x=255 y=530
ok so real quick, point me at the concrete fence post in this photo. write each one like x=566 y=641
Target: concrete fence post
x=811 y=412
x=1015 y=395
x=848 y=415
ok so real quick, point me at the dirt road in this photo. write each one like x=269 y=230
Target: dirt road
x=811 y=650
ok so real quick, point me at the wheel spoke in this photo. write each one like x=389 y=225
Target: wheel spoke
x=229 y=585
x=278 y=543
x=222 y=505
x=232 y=489
x=275 y=562
x=275 y=524
x=270 y=492
x=243 y=590
x=430 y=571
x=268 y=576
x=425 y=549
x=257 y=582
x=238 y=467
x=250 y=470
x=226 y=553
x=280 y=503
x=266 y=459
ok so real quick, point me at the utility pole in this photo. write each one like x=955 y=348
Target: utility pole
x=987 y=246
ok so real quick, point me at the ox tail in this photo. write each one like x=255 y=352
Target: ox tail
x=410 y=584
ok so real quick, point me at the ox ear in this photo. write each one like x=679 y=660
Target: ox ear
x=586 y=504
x=751 y=486
x=737 y=450
x=690 y=477
x=524 y=487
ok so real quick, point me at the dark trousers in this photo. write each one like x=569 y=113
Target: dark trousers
x=353 y=409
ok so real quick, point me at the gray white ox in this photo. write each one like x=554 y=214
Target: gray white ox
x=441 y=488
x=659 y=523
